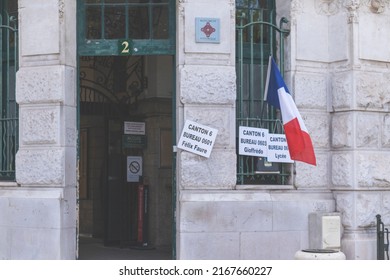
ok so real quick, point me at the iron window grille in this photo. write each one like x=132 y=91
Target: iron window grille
x=9 y=108
x=258 y=37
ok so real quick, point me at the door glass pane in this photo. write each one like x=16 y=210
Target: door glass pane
x=160 y=22
x=114 y=22
x=139 y=23
x=94 y=23
x=149 y=24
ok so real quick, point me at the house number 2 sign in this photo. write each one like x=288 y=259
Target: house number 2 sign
x=125 y=47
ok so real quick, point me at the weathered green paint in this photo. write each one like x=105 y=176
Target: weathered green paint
x=148 y=45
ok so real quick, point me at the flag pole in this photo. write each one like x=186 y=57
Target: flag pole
x=266 y=90
x=267 y=79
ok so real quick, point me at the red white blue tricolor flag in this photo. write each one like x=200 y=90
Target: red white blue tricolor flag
x=298 y=139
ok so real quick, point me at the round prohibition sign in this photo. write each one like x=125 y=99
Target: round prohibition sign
x=134 y=167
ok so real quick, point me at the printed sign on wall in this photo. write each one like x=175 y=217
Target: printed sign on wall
x=135 y=128
x=258 y=142
x=134 y=168
x=207 y=30
x=197 y=138
x=278 y=148
x=253 y=141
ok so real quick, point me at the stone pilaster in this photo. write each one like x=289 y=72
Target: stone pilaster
x=206 y=92
x=306 y=74
x=359 y=128
x=46 y=160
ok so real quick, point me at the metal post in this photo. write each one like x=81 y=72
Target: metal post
x=380 y=252
x=382 y=232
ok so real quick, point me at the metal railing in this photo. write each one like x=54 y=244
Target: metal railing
x=382 y=239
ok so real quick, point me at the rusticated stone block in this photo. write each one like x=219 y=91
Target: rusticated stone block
x=309 y=176
x=342 y=91
x=46 y=84
x=310 y=91
x=373 y=90
x=39 y=125
x=368 y=205
x=385 y=213
x=386 y=131
x=342 y=130
x=373 y=169
x=359 y=208
x=216 y=172
x=220 y=118
x=40 y=167
x=318 y=127
x=207 y=84
x=342 y=170
x=345 y=204
x=367 y=135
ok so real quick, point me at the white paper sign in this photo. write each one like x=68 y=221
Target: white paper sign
x=253 y=141
x=278 y=148
x=135 y=128
x=197 y=138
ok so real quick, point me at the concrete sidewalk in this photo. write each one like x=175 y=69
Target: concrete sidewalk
x=94 y=249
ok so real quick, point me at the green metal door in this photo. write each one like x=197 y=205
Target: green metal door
x=257 y=38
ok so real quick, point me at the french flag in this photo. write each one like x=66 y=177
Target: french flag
x=298 y=138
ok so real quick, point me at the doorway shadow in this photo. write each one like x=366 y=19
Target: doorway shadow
x=94 y=249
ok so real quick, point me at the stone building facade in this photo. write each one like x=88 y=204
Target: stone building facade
x=337 y=67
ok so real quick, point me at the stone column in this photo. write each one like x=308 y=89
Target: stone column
x=360 y=138
x=46 y=160
x=206 y=93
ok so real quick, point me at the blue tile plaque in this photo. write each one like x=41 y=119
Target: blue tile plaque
x=207 y=30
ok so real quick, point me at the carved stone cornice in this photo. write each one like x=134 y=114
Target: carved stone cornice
x=296 y=9
x=377 y=6
x=180 y=7
x=61 y=9
x=327 y=7
x=352 y=7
